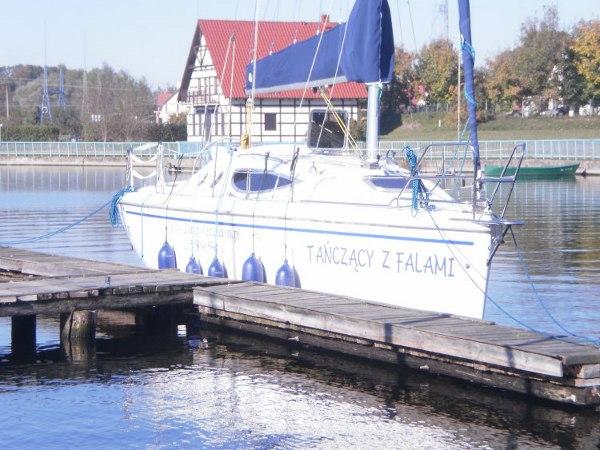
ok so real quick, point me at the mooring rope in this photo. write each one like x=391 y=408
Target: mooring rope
x=542 y=303
x=588 y=339
x=113 y=214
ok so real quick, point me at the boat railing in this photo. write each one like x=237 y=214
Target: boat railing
x=451 y=172
x=447 y=170
x=158 y=161
x=514 y=160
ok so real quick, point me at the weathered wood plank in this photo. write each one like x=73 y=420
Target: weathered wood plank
x=395 y=334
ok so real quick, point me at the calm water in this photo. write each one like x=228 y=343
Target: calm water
x=226 y=390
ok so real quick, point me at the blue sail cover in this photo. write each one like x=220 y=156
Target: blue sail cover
x=468 y=55
x=363 y=47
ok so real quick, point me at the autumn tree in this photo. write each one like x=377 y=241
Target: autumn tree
x=437 y=69
x=501 y=81
x=399 y=92
x=586 y=58
x=541 y=49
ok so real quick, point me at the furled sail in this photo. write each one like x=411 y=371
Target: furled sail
x=468 y=55
x=360 y=50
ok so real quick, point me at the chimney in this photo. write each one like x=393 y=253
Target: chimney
x=325 y=18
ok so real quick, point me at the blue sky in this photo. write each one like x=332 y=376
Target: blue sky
x=151 y=38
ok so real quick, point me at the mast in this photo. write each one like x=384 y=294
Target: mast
x=374 y=93
x=468 y=55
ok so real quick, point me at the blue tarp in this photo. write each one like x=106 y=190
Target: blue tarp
x=360 y=50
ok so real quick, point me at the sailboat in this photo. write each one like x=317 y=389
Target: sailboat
x=373 y=227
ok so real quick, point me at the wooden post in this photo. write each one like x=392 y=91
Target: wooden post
x=78 y=335
x=23 y=334
x=159 y=319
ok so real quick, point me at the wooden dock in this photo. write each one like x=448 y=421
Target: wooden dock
x=473 y=350
x=477 y=351
x=40 y=284
x=61 y=285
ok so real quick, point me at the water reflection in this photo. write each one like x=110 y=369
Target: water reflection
x=560 y=256
x=229 y=390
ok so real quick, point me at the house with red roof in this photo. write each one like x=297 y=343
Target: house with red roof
x=166 y=105
x=214 y=80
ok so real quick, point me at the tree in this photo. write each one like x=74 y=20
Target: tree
x=501 y=82
x=541 y=49
x=586 y=58
x=437 y=68
x=120 y=107
x=398 y=93
x=571 y=83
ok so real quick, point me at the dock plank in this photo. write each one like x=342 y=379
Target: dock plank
x=432 y=332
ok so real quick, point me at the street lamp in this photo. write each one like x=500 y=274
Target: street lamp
x=0 y=132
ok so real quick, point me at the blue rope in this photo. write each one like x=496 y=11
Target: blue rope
x=469 y=48
x=55 y=232
x=419 y=193
x=113 y=212
x=113 y=215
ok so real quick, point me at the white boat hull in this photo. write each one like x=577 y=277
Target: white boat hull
x=393 y=257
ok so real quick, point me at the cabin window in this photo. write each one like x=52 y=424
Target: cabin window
x=270 y=122
x=258 y=181
x=388 y=182
x=324 y=130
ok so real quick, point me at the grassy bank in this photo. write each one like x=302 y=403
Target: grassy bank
x=425 y=127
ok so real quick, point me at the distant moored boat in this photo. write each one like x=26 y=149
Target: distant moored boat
x=534 y=171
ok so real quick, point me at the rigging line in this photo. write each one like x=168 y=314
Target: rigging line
x=254 y=56
x=400 y=23
x=589 y=339
x=339 y=60
x=412 y=26
x=312 y=66
x=541 y=302
x=487 y=297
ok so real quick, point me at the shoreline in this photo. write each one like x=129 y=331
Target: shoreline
x=586 y=168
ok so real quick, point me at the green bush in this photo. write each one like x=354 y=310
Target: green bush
x=30 y=133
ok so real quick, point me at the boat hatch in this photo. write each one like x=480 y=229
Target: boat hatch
x=390 y=182
x=253 y=180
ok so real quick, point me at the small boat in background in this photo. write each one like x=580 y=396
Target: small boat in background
x=548 y=172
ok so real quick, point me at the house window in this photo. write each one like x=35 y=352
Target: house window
x=270 y=122
x=324 y=131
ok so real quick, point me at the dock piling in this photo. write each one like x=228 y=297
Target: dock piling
x=78 y=335
x=23 y=337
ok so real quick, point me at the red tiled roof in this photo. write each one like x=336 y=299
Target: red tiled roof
x=162 y=97
x=272 y=37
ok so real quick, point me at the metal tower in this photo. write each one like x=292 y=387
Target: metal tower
x=45 y=112
x=61 y=90
x=443 y=9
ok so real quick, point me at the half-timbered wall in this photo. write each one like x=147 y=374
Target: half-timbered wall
x=212 y=116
